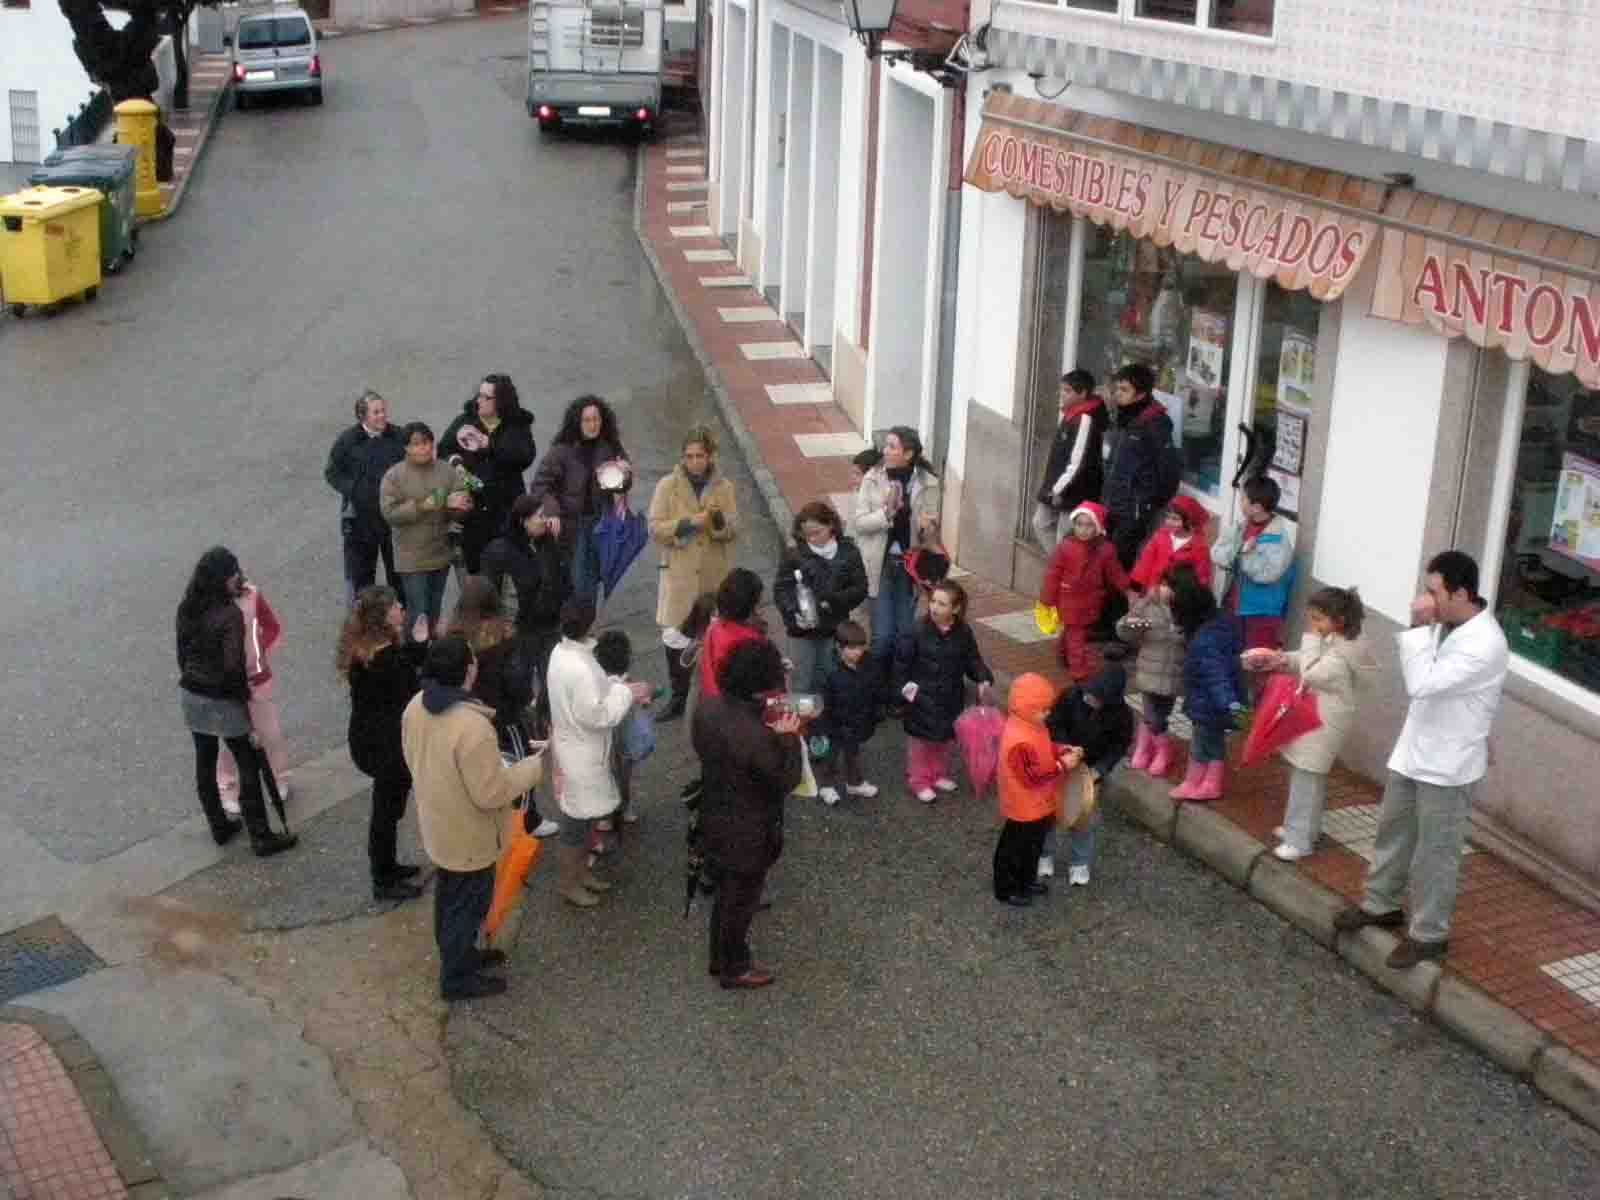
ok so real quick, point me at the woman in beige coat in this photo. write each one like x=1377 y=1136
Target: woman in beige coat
x=694 y=519
x=1328 y=664
x=896 y=511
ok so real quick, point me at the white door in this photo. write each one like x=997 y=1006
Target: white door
x=25 y=127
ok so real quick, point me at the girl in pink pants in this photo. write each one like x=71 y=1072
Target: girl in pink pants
x=932 y=664
x=261 y=633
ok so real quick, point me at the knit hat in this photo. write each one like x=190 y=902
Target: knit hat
x=1194 y=514
x=1095 y=512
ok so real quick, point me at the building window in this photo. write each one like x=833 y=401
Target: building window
x=16 y=3
x=1252 y=17
x=1547 y=596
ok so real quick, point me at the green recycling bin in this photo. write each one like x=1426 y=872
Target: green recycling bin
x=110 y=169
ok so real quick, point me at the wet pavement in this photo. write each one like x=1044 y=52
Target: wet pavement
x=1153 y=1034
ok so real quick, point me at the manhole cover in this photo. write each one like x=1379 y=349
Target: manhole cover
x=41 y=955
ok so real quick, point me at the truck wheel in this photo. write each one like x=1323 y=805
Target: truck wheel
x=90 y=294
x=316 y=95
x=18 y=309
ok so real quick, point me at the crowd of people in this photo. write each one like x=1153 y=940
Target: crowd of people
x=471 y=715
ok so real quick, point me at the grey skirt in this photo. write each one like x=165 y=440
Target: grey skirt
x=220 y=718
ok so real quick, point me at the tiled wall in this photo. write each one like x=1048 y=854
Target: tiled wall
x=1528 y=63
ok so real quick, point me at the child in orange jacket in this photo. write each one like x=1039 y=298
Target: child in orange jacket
x=1030 y=775
x=1083 y=570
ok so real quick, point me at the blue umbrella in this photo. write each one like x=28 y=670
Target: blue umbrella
x=618 y=538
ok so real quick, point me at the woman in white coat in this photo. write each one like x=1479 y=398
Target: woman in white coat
x=896 y=511
x=585 y=707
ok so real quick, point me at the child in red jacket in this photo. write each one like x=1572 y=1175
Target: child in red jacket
x=1181 y=541
x=1082 y=570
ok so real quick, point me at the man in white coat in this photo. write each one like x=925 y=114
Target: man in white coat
x=585 y=709
x=1454 y=660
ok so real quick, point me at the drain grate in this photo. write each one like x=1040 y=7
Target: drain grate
x=42 y=955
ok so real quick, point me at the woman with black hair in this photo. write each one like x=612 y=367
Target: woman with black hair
x=215 y=694
x=569 y=488
x=492 y=438
x=750 y=763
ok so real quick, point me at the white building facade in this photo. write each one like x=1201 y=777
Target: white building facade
x=1363 y=244
x=41 y=80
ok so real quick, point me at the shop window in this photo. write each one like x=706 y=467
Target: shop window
x=1279 y=413
x=15 y=3
x=1175 y=313
x=1050 y=319
x=1243 y=16
x=1548 y=593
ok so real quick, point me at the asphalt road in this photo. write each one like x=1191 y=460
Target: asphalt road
x=411 y=235
x=1154 y=1035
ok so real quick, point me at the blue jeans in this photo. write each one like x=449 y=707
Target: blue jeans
x=1081 y=843
x=1210 y=743
x=423 y=592
x=894 y=609
x=585 y=561
x=814 y=659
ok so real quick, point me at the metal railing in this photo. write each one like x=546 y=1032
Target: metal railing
x=85 y=125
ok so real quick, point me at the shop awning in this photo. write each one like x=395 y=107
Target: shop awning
x=1276 y=219
x=1495 y=279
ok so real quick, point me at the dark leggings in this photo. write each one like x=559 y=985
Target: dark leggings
x=1158 y=711
x=389 y=792
x=205 y=781
x=732 y=910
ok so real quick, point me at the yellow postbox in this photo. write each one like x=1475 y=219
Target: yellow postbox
x=49 y=245
x=136 y=126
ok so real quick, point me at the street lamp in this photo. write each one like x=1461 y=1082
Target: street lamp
x=870 y=20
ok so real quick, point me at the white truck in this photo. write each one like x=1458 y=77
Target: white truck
x=595 y=62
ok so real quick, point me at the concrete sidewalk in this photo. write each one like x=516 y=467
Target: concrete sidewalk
x=1522 y=981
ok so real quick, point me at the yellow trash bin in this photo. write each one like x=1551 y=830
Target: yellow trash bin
x=49 y=245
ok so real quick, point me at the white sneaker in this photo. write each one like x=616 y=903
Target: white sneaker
x=1288 y=853
x=829 y=796
x=1078 y=876
x=630 y=817
x=865 y=790
x=546 y=828
x=946 y=785
x=231 y=807
x=1047 y=866
x=927 y=795
x=1277 y=832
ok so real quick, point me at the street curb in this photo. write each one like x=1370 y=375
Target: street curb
x=116 y=1129
x=1476 y=1018
x=1494 y=1030
x=766 y=483
x=327 y=29
x=182 y=190
x=1217 y=842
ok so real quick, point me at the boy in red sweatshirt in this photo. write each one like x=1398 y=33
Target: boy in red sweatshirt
x=1083 y=569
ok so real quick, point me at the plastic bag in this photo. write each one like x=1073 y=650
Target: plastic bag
x=1287 y=711
x=637 y=734
x=978 y=731
x=1076 y=800
x=511 y=874
x=807 y=788
x=1047 y=619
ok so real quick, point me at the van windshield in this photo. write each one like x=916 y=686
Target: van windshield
x=274 y=31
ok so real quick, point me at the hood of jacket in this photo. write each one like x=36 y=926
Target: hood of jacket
x=1031 y=698
x=437 y=697
x=1082 y=408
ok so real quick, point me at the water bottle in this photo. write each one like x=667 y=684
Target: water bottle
x=805 y=603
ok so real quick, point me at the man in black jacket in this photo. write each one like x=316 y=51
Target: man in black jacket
x=1142 y=465
x=356 y=466
x=1075 y=470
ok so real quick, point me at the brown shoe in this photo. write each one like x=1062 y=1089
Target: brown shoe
x=578 y=897
x=594 y=883
x=1348 y=920
x=1409 y=953
x=753 y=977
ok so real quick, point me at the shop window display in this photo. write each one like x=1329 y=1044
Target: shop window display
x=1280 y=415
x=1548 y=599
x=1173 y=312
x=1050 y=317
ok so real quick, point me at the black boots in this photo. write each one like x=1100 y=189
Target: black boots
x=681 y=676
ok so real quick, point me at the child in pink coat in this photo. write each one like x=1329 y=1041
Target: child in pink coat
x=261 y=632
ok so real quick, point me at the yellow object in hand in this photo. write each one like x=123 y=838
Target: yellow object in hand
x=1047 y=618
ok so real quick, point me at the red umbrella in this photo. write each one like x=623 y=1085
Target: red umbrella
x=1287 y=710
